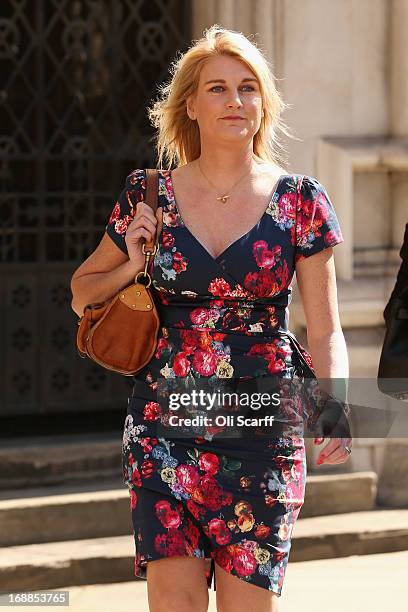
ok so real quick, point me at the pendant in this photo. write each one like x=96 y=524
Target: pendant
x=223 y=198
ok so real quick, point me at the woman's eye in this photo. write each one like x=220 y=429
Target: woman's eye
x=243 y=87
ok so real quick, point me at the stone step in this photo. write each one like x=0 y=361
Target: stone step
x=53 y=460
x=328 y=494
x=109 y=560
x=356 y=572
x=64 y=513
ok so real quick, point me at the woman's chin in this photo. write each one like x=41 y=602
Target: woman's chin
x=232 y=135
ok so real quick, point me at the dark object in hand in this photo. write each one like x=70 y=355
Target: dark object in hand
x=333 y=421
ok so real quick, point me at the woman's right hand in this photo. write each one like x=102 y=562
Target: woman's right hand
x=143 y=227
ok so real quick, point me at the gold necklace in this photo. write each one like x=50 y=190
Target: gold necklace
x=224 y=197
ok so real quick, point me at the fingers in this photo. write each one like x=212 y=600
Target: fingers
x=143 y=224
x=335 y=451
x=159 y=218
x=333 y=459
x=136 y=234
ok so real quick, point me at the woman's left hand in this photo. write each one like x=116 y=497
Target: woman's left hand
x=334 y=452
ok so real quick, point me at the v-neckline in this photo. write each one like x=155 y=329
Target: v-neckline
x=203 y=248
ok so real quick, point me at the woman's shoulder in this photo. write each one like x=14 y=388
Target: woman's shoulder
x=307 y=181
x=306 y=185
x=274 y=174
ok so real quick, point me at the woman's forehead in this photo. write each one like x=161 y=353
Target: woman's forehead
x=223 y=67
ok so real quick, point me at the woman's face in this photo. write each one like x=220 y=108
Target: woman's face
x=227 y=87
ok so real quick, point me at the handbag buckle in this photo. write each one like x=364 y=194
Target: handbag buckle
x=146 y=274
x=149 y=253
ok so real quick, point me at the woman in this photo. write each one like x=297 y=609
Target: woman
x=235 y=226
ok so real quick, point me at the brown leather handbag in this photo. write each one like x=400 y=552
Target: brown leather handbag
x=120 y=334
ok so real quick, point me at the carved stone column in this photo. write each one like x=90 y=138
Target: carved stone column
x=398 y=68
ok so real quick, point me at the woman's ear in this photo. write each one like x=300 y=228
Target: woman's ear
x=190 y=108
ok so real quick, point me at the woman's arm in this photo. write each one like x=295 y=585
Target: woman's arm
x=103 y=274
x=118 y=257
x=316 y=279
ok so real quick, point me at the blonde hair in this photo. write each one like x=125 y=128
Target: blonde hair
x=177 y=136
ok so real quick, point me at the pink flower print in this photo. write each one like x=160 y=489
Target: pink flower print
x=188 y=476
x=332 y=237
x=169 y=518
x=121 y=225
x=204 y=362
x=218 y=528
x=209 y=463
x=181 y=365
x=133 y=499
x=244 y=562
x=115 y=213
x=199 y=316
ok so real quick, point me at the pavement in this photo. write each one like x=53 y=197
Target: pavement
x=367 y=583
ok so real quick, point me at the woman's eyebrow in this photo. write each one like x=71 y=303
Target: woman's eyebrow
x=224 y=81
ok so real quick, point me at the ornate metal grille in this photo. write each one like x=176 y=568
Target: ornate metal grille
x=76 y=76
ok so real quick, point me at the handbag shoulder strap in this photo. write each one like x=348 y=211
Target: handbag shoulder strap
x=152 y=194
x=152 y=187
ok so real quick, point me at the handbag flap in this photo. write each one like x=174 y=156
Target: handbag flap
x=136 y=297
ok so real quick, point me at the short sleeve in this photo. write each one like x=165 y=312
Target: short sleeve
x=317 y=226
x=123 y=212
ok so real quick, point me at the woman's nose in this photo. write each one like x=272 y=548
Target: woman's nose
x=235 y=100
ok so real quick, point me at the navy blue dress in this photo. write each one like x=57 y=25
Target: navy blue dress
x=226 y=501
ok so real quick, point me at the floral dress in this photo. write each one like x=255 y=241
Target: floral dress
x=227 y=501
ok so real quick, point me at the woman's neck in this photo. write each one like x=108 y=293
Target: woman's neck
x=227 y=166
